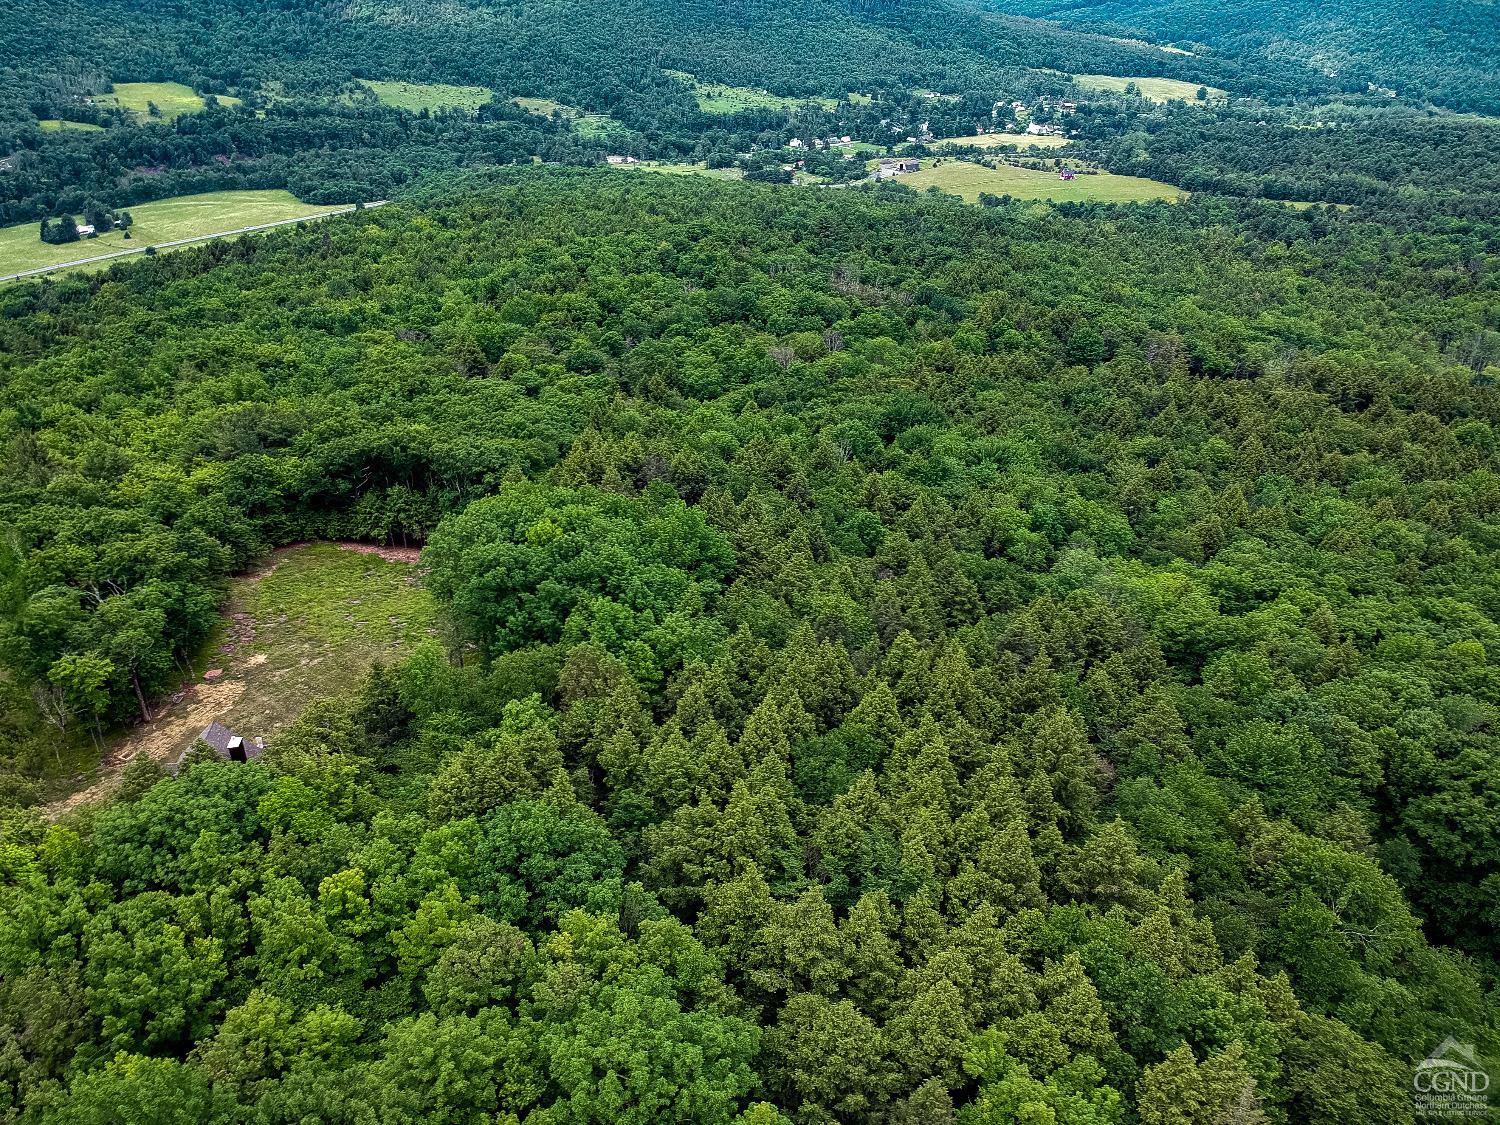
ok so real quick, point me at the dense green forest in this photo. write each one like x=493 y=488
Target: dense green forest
x=1438 y=49
x=910 y=663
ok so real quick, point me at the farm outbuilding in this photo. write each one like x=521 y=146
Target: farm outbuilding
x=889 y=168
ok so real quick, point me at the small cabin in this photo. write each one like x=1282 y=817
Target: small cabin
x=227 y=744
x=1067 y=174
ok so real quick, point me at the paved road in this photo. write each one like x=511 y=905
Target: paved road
x=185 y=241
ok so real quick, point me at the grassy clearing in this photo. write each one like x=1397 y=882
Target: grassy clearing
x=1153 y=89
x=305 y=625
x=309 y=623
x=1166 y=47
x=968 y=180
x=714 y=97
x=594 y=126
x=546 y=107
x=186 y=216
x=999 y=140
x=57 y=125
x=172 y=99
x=681 y=169
x=414 y=97
x=1305 y=205
x=598 y=126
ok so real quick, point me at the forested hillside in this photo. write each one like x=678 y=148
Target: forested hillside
x=909 y=663
x=1441 y=49
x=582 y=52
x=299 y=123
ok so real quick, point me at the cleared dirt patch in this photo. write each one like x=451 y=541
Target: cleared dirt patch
x=306 y=623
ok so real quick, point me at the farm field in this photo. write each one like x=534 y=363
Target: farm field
x=968 y=180
x=431 y=96
x=714 y=97
x=1153 y=89
x=173 y=99
x=185 y=216
x=999 y=140
x=54 y=125
x=304 y=625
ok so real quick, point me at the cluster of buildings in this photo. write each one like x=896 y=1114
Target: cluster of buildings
x=1020 y=111
x=820 y=142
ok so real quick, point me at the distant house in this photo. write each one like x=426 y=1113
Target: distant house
x=614 y=158
x=795 y=142
x=1035 y=130
x=1067 y=174
x=226 y=743
x=889 y=168
x=85 y=230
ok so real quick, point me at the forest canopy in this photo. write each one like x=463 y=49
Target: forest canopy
x=908 y=662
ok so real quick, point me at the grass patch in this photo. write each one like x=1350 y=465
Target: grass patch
x=1153 y=89
x=172 y=99
x=999 y=140
x=547 y=107
x=598 y=127
x=592 y=126
x=186 y=216
x=414 y=97
x=683 y=169
x=968 y=180
x=57 y=125
x=714 y=97
x=309 y=624
x=306 y=624
x=1166 y=47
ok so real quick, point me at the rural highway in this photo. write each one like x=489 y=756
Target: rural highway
x=186 y=241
